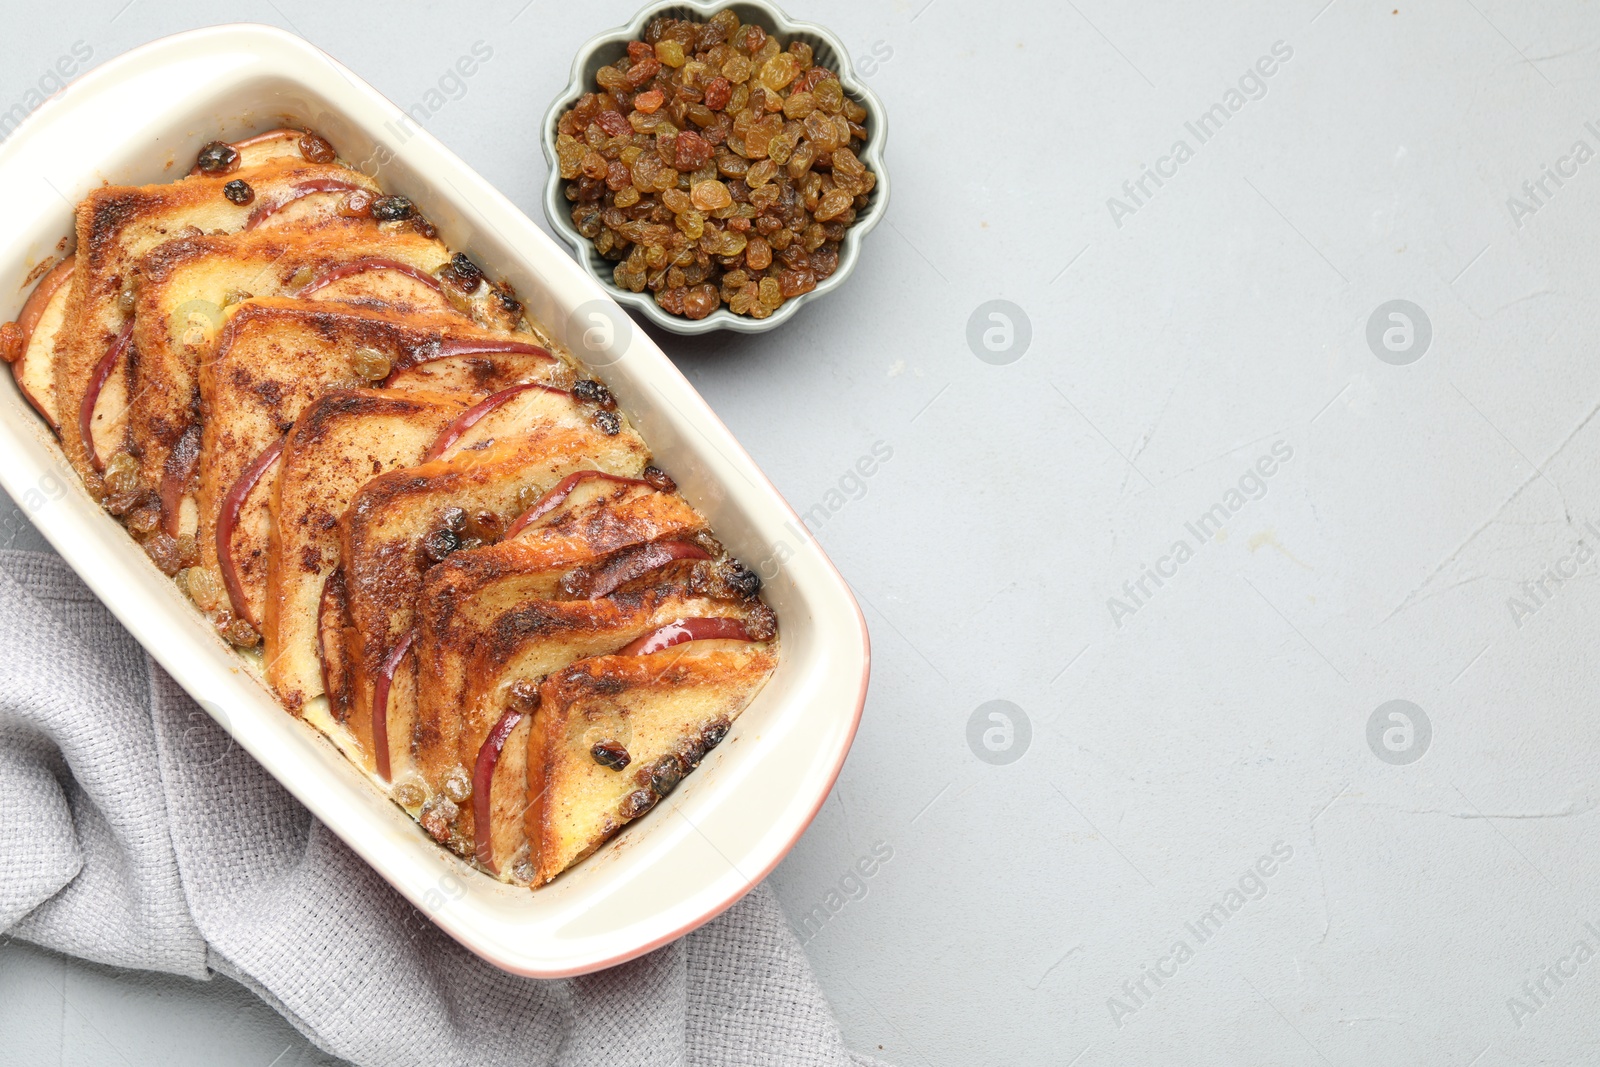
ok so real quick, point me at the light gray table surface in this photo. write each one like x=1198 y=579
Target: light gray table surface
x=1085 y=880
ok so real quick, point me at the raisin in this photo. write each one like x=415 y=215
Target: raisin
x=162 y=548
x=461 y=274
x=610 y=754
x=218 y=158
x=708 y=195
x=636 y=803
x=590 y=391
x=524 y=696
x=440 y=543
x=438 y=816
x=237 y=631
x=458 y=784
x=700 y=301
x=693 y=151
x=455 y=519
x=391 y=208
x=315 y=148
x=648 y=102
x=665 y=774
x=659 y=479
x=643 y=71
x=608 y=423
x=358 y=205
x=718 y=92
x=713 y=733
x=613 y=123
x=370 y=364
x=424 y=227
x=239 y=192
x=743 y=580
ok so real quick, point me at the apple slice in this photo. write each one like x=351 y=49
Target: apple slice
x=262 y=147
x=97 y=383
x=473 y=415
x=362 y=266
x=495 y=778
x=629 y=565
x=176 y=473
x=683 y=630
x=380 y=702
x=449 y=347
x=299 y=191
x=332 y=618
x=232 y=505
x=33 y=376
x=560 y=492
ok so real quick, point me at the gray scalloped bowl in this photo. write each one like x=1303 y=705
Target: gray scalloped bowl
x=828 y=51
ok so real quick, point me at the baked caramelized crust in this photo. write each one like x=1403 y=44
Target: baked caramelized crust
x=187 y=283
x=338 y=444
x=272 y=359
x=385 y=556
x=116 y=226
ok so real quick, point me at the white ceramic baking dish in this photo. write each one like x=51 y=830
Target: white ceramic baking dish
x=141 y=118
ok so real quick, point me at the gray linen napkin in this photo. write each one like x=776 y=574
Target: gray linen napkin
x=135 y=834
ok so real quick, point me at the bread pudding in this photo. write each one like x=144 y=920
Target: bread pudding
x=434 y=534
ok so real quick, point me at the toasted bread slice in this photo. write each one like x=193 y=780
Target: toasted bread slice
x=338 y=444
x=343 y=440
x=600 y=519
x=273 y=358
x=383 y=534
x=116 y=226
x=40 y=322
x=612 y=736
x=186 y=283
x=538 y=638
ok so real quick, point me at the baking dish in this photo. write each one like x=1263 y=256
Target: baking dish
x=141 y=118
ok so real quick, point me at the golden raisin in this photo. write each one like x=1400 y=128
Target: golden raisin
x=715 y=166
x=370 y=364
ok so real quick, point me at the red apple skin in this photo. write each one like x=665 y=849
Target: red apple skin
x=175 y=477
x=228 y=520
x=637 y=564
x=380 y=702
x=464 y=346
x=475 y=414
x=560 y=492
x=676 y=633
x=483 y=785
x=28 y=319
x=302 y=189
x=97 y=382
x=362 y=266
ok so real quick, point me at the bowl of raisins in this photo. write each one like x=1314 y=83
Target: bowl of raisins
x=715 y=166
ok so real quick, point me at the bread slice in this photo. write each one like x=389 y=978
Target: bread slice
x=611 y=737
x=275 y=357
x=337 y=445
x=526 y=643
x=599 y=519
x=116 y=226
x=344 y=439
x=187 y=283
x=383 y=534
